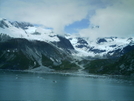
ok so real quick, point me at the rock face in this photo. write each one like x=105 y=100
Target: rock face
x=21 y=54
x=23 y=25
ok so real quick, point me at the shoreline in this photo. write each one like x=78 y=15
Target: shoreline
x=68 y=73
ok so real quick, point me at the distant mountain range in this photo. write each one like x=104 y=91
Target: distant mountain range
x=24 y=46
x=101 y=47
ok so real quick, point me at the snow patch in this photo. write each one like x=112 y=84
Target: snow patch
x=111 y=44
x=44 y=34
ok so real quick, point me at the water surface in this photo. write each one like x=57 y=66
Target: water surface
x=59 y=87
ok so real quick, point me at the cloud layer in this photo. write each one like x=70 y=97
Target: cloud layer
x=51 y=13
x=114 y=20
x=114 y=17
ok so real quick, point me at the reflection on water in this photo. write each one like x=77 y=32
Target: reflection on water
x=59 y=87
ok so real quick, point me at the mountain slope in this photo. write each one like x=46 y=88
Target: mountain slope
x=28 y=47
x=27 y=31
x=102 y=47
x=107 y=47
x=122 y=66
x=24 y=46
x=21 y=54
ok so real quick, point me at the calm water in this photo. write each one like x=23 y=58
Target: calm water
x=57 y=87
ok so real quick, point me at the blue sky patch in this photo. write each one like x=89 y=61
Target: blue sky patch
x=72 y=28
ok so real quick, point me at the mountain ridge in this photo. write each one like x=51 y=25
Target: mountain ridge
x=40 y=47
x=102 y=47
x=32 y=54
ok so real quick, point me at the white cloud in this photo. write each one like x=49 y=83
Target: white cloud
x=115 y=17
x=51 y=13
x=114 y=20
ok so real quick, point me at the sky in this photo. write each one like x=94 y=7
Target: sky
x=86 y=18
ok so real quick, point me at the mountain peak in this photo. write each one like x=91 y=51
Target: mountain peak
x=28 y=31
x=83 y=45
x=4 y=23
x=22 y=25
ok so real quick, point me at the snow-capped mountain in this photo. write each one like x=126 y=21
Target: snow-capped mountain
x=27 y=31
x=30 y=32
x=107 y=46
x=26 y=46
x=101 y=47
